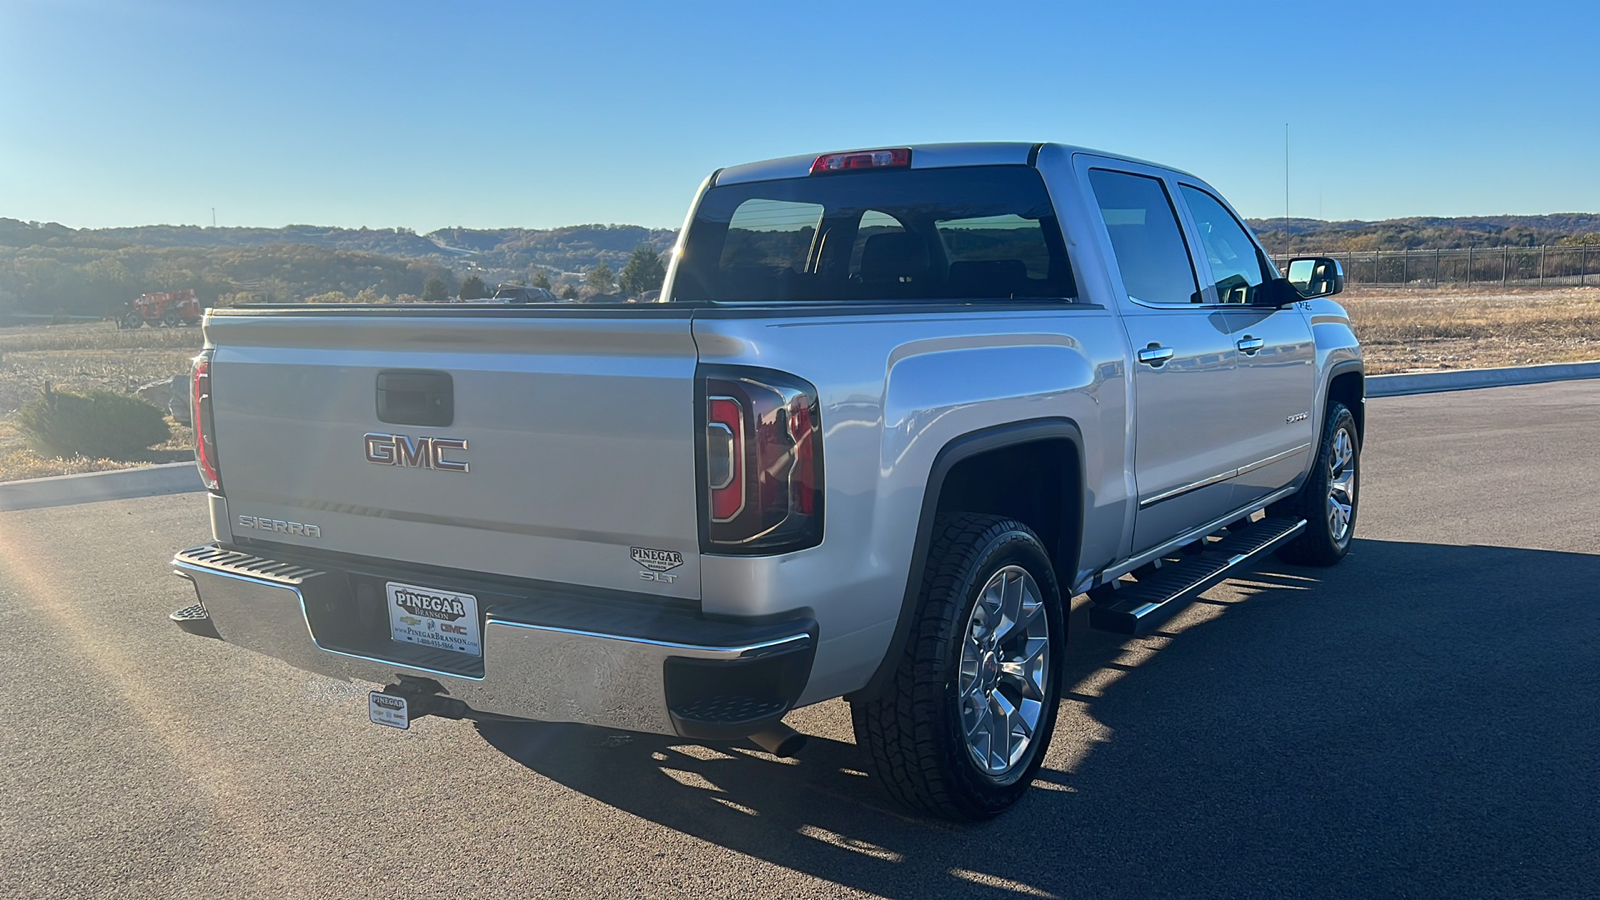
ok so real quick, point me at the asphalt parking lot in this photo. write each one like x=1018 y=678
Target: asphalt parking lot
x=1421 y=721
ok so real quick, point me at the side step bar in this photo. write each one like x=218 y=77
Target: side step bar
x=1135 y=608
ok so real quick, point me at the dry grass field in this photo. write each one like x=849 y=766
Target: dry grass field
x=81 y=357
x=1403 y=331
x=1428 y=330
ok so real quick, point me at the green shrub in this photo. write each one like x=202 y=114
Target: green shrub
x=96 y=424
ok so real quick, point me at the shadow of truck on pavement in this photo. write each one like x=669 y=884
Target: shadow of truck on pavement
x=1422 y=720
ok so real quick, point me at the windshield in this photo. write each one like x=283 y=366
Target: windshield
x=971 y=233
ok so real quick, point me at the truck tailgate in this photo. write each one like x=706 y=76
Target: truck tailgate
x=577 y=428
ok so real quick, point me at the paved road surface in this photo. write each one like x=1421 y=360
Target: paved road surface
x=1422 y=721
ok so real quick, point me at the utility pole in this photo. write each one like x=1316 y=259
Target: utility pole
x=213 y=217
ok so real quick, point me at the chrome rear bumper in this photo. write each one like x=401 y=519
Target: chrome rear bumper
x=548 y=654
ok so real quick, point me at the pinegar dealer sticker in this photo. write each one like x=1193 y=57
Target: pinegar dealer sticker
x=657 y=560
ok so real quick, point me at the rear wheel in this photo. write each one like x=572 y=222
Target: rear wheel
x=1329 y=499
x=963 y=726
x=170 y=318
x=130 y=319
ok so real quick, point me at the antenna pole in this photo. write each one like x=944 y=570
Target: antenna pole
x=1286 y=190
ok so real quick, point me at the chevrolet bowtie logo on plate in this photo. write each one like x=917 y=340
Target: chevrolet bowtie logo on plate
x=414 y=453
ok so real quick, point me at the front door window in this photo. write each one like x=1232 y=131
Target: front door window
x=1237 y=267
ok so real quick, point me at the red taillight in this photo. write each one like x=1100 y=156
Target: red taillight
x=898 y=158
x=205 y=438
x=762 y=470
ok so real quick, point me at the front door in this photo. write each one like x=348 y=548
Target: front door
x=1276 y=384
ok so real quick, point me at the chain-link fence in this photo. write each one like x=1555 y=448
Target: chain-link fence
x=1473 y=266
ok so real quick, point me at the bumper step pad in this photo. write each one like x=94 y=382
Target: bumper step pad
x=195 y=620
x=1135 y=607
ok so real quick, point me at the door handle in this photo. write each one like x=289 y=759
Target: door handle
x=1155 y=355
x=1249 y=346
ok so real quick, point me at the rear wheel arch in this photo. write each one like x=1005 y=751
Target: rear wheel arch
x=1031 y=471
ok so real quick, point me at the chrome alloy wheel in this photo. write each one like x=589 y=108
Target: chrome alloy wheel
x=1005 y=661
x=1341 y=486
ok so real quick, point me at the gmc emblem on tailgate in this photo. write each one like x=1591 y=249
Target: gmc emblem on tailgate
x=415 y=453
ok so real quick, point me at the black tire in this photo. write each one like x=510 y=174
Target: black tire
x=130 y=320
x=912 y=733
x=1322 y=543
x=170 y=318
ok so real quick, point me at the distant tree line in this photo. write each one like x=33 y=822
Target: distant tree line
x=88 y=281
x=1565 y=229
x=52 y=268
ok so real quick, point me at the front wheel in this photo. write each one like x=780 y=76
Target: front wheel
x=1328 y=500
x=963 y=726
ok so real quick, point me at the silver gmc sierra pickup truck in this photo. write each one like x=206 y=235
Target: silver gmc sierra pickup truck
x=894 y=410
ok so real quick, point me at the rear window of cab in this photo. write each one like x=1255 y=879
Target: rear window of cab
x=970 y=233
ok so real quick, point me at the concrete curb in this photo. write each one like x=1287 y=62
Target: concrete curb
x=1471 y=379
x=92 y=487
x=179 y=478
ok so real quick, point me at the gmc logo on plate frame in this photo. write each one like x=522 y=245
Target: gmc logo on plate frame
x=414 y=453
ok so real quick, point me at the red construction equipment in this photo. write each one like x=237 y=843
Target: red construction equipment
x=171 y=309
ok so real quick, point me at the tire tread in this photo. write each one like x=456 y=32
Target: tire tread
x=1315 y=547
x=899 y=730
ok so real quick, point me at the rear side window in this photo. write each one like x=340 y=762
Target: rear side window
x=972 y=233
x=1151 y=252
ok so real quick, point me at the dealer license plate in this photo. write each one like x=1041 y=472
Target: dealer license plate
x=443 y=620
x=387 y=709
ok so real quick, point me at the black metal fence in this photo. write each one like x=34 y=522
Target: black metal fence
x=1548 y=266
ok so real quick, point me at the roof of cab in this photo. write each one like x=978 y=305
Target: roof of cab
x=923 y=156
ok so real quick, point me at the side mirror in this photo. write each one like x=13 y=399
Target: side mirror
x=1316 y=276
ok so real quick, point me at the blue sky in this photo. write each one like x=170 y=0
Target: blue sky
x=492 y=114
